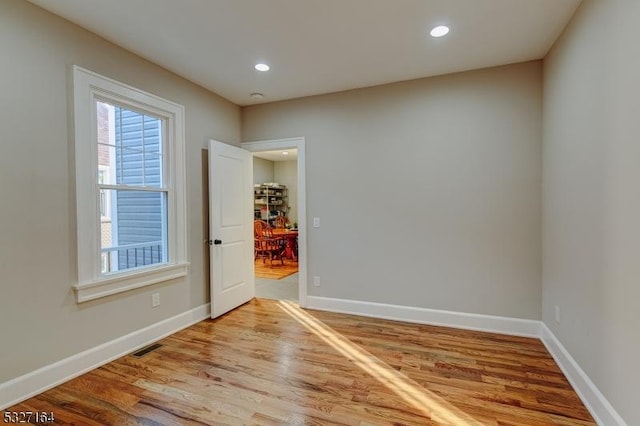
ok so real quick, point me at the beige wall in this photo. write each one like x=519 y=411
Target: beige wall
x=286 y=173
x=40 y=321
x=591 y=197
x=262 y=170
x=428 y=191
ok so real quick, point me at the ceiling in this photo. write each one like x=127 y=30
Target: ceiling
x=277 y=155
x=319 y=46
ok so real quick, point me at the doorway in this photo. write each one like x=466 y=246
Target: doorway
x=280 y=193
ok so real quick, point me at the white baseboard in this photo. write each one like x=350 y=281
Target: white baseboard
x=494 y=324
x=35 y=382
x=601 y=410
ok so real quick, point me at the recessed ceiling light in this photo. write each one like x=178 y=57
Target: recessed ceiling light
x=285 y=153
x=262 y=67
x=257 y=96
x=440 y=31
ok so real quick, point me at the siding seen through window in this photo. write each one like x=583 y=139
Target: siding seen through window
x=132 y=187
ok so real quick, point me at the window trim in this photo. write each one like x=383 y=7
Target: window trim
x=88 y=87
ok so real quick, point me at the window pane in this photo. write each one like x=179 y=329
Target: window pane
x=153 y=169
x=130 y=146
x=135 y=233
x=129 y=167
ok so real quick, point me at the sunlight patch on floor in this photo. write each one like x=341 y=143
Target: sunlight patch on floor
x=410 y=391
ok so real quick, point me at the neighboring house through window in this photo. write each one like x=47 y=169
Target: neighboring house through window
x=131 y=214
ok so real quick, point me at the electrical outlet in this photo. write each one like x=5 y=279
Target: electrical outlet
x=557 y=313
x=155 y=300
x=316 y=281
x=316 y=222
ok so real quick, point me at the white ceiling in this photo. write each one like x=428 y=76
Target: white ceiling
x=277 y=155
x=319 y=46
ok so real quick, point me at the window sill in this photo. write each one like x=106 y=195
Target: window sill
x=128 y=281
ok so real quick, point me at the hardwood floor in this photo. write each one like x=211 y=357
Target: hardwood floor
x=270 y=362
x=278 y=271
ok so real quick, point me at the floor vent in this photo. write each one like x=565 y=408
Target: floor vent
x=142 y=352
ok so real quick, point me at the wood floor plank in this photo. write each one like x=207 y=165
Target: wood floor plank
x=270 y=362
x=277 y=271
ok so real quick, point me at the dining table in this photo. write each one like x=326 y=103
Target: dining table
x=291 y=237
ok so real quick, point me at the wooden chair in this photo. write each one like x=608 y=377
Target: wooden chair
x=265 y=244
x=281 y=222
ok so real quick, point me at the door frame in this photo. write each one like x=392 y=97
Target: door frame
x=299 y=144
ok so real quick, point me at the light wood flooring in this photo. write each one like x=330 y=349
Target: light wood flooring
x=277 y=271
x=270 y=362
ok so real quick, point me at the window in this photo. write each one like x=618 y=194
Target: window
x=131 y=146
x=130 y=187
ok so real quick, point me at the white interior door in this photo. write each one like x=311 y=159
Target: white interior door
x=230 y=227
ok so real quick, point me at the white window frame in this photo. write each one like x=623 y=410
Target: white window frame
x=88 y=88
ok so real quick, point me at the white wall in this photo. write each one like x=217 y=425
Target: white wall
x=591 y=197
x=40 y=322
x=428 y=191
x=286 y=173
